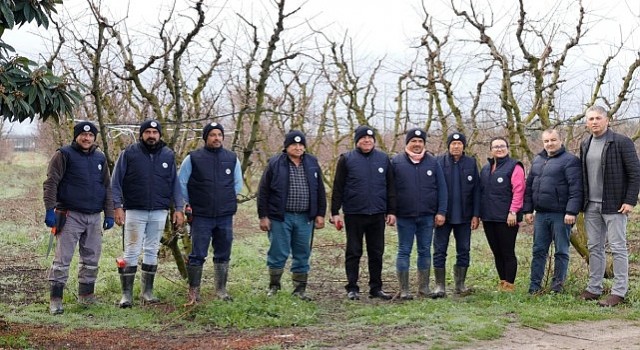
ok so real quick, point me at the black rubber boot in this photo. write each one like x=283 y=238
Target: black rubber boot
x=147 y=277
x=221 y=271
x=85 y=294
x=274 y=281
x=55 y=302
x=423 y=283
x=195 y=275
x=440 y=291
x=127 y=276
x=459 y=276
x=300 y=285
x=403 y=281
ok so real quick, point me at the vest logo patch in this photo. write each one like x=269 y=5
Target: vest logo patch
x=470 y=178
x=99 y=166
x=500 y=180
x=315 y=174
x=165 y=165
x=380 y=170
x=228 y=171
x=429 y=172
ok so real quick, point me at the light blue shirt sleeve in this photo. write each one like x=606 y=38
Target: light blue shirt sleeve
x=116 y=180
x=178 y=199
x=183 y=177
x=237 y=177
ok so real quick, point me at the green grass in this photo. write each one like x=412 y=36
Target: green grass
x=14 y=342
x=444 y=323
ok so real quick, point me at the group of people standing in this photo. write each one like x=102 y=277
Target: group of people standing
x=144 y=187
x=425 y=196
x=603 y=183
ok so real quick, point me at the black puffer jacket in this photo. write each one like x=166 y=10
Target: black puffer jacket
x=554 y=184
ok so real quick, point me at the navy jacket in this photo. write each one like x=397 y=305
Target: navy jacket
x=495 y=190
x=364 y=184
x=274 y=188
x=420 y=188
x=469 y=185
x=554 y=184
x=620 y=169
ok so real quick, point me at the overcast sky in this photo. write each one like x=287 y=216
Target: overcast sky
x=378 y=27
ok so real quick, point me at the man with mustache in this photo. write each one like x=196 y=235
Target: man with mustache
x=145 y=186
x=211 y=179
x=76 y=190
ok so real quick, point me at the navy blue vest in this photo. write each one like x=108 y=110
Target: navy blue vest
x=416 y=185
x=148 y=182
x=496 y=193
x=469 y=179
x=82 y=186
x=211 y=185
x=365 y=187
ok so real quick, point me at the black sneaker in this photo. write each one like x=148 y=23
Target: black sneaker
x=353 y=295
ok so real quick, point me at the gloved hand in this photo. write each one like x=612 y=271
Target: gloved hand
x=108 y=223
x=188 y=214
x=50 y=218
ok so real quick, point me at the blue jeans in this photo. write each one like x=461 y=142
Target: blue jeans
x=143 y=230
x=217 y=231
x=291 y=236
x=462 y=234
x=603 y=228
x=548 y=227
x=421 y=228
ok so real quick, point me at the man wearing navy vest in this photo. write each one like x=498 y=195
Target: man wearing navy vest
x=463 y=214
x=145 y=186
x=77 y=189
x=364 y=188
x=211 y=179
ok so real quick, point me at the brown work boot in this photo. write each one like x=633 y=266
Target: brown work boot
x=500 y=286
x=612 y=300
x=508 y=287
x=587 y=296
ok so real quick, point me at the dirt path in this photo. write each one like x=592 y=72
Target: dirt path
x=591 y=335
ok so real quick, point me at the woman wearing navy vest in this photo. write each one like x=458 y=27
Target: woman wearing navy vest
x=502 y=196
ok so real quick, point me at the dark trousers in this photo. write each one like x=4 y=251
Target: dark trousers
x=371 y=228
x=462 y=234
x=502 y=241
x=216 y=231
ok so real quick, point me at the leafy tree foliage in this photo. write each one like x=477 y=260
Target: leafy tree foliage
x=29 y=91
